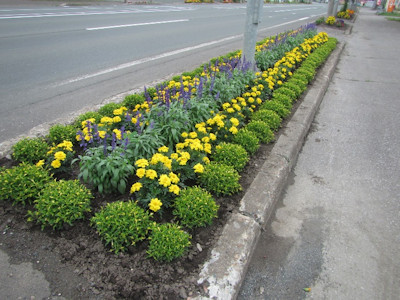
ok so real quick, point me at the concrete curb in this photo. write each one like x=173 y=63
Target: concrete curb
x=224 y=272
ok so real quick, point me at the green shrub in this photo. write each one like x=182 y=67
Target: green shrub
x=195 y=207
x=61 y=202
x=286 y=91
x=248 y=140
x=268 y=116
x=295 y=88
x=30 y=150
x=320 y=21
x=108 y=109
x=261 y=130
x=301 y=83
x=308 y=73
x=131 y=101
x=23 y=183
x=122 y=224
x=284 y=99
x=167 y=242
x=232 y=155
x=86 y=116
x=59 y=133
x=220 y=179
x=277 y=107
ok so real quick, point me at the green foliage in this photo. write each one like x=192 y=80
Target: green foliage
x=320 y=21
x=143 y=145
x=108 y=172
x=108 y=109
x=220 y=179
x=286 y=91
x=261 y=130
x=23 y=183
x=61 y=202
x=268 y=116
x=131 y=101
x=283 y=99
x=307 y=73
x=295 y=88
x=248 y=140
x=277 y=107
x=59 y=133
x=30 y=150
x=233 y=155
x=195 y=207
x=122 y=224
x=86 y=116
x=167 y=242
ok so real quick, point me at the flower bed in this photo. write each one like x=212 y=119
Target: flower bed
x=171 y=151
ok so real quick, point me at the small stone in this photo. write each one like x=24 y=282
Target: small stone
x=199 y=247
x=182 y=293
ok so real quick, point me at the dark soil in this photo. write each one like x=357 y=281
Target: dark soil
x=79 y=266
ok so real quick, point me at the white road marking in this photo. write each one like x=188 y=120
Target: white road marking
x=136 y=24
x=166 y=54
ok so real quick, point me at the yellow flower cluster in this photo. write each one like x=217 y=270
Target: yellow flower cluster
x=57 y=154
x=155 y=204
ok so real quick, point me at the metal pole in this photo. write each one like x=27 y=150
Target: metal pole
x=330 y=8
x=250 y=32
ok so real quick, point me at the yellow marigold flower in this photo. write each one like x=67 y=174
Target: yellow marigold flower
x=136 y=187
x=213 y=137
x=198 y=168
x=87 y=138
x=140 y=172
x=167 y=162
x=118 y=134
x=193 y=135
x=174 y=178
x=184 y=135
x=40 y=163
x=60 y=155
x=226 y=105
x=234 y=121
x=237 y=107
x=207 y=148
x=106 y=120
x=155 y=204
x=151 y=174
x=180 y=146
x=206 y=160
x=230 y=110
x=156 y=158
x=174 y=189
x=118 y=112
x=142 y=163
x=164 y=180
x=174 y=156
x=205 y=139
x=102 y=134
x=202 y=129
x=233 y=130
x=116 y=119
x=259 y=101
x=163 y=149
x=280 y=82
x=251 y=99
x=134 y=120
x=78 y=137
x=56 y=164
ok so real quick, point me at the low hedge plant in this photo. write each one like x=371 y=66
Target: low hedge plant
x=122 y=224
x=248 y=140
x=220 y=179
x=23 y=183
x=167 y=242
x=195 y=207
x=30 y=150
x=261 y=130
x=232 y=155
x=61 y=202
x=268 y=116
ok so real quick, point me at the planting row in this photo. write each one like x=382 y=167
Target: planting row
x=174 y=147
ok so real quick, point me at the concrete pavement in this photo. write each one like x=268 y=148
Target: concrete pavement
x=336 y=229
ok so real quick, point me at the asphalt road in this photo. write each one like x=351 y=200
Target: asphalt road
x=56 y=60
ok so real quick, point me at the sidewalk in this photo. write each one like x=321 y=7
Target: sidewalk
x=336 y=230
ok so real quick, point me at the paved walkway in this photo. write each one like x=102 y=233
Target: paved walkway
x=337 y=228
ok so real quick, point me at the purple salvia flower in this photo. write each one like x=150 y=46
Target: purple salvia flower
x=113 y=141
